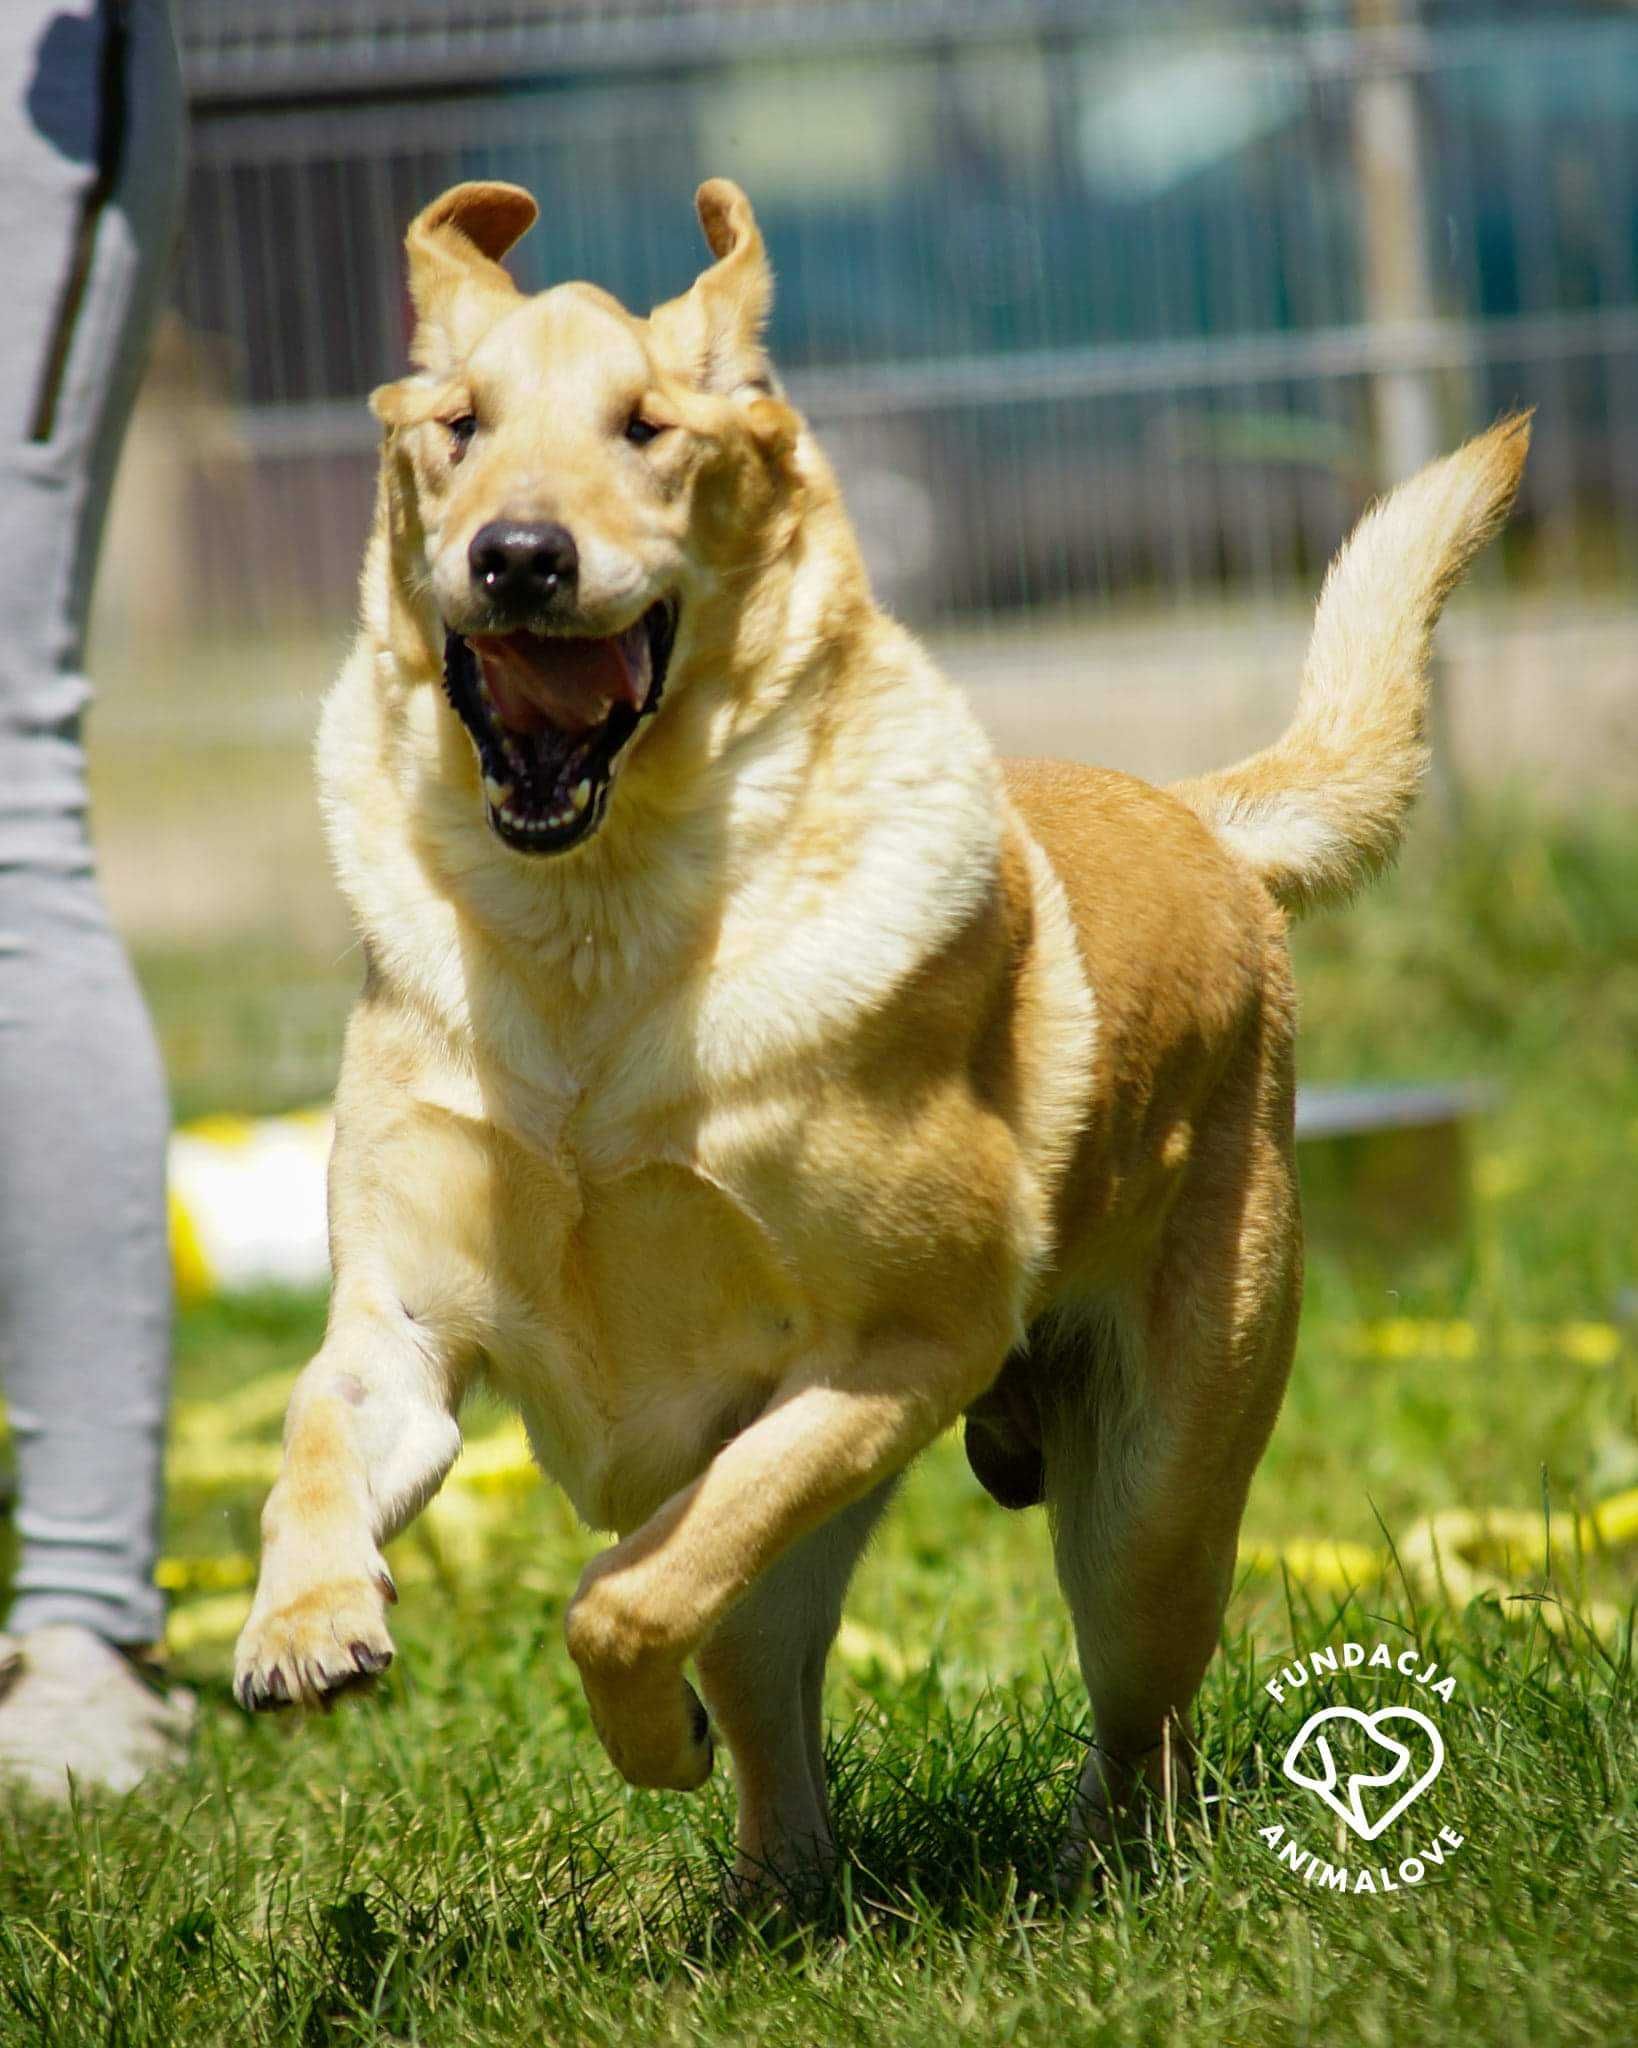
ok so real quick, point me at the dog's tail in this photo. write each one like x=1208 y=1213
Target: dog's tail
x=1320 y=812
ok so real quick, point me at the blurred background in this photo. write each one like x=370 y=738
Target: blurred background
x=1113 y=316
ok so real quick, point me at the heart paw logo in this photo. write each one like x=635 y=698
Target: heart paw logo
x=1369 y=1764
x=1361 y=1797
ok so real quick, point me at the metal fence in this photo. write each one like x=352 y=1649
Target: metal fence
x=1089 y=300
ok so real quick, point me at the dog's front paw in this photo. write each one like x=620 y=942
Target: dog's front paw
x=307 y=1649
x=663 y=1746
x=647 y=1716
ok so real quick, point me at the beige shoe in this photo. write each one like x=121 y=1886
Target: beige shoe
x=73 y=1705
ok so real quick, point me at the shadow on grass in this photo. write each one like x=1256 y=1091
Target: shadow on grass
x=942 y=1820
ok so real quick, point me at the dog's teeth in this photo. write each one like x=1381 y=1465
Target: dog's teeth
x=582 y=794
x=497 y=792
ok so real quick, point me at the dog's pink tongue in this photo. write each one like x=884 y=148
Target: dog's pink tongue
x=536 y=680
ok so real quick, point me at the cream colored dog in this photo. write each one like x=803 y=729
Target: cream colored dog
x=752 y=1076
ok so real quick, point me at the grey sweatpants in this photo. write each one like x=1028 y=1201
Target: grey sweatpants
x=90 y=161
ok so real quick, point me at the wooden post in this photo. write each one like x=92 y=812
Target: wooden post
x=1398 y=279
x=1398 y=283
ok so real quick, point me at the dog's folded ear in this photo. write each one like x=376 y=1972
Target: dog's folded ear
x=715 y=328
x=406 y=403
x=455 y=276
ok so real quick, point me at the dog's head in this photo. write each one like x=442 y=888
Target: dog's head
x=569 y=486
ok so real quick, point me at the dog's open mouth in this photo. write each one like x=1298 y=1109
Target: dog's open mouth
x=550 y=716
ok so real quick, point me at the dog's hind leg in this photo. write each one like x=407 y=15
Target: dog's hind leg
x=763 y=1673
x=1147 y=1469
x=370 y=1433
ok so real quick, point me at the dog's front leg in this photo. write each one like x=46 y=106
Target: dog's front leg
x=370 y=1433
x=644 y=1606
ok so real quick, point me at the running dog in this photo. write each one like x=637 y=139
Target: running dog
x=753 y=1077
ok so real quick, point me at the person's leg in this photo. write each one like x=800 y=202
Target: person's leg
x=90 y=127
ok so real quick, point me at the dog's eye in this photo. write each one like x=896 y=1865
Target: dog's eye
x=460 y=432
x=639 y=432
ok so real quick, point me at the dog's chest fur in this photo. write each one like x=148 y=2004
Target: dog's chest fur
x=640 y=1202
x=641 y=1313
x=639 y=1268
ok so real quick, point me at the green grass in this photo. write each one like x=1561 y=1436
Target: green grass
x=453 y=1861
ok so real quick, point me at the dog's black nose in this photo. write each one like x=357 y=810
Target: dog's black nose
x=522 y=566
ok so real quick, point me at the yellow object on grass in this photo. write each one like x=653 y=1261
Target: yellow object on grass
x=247 y=1203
